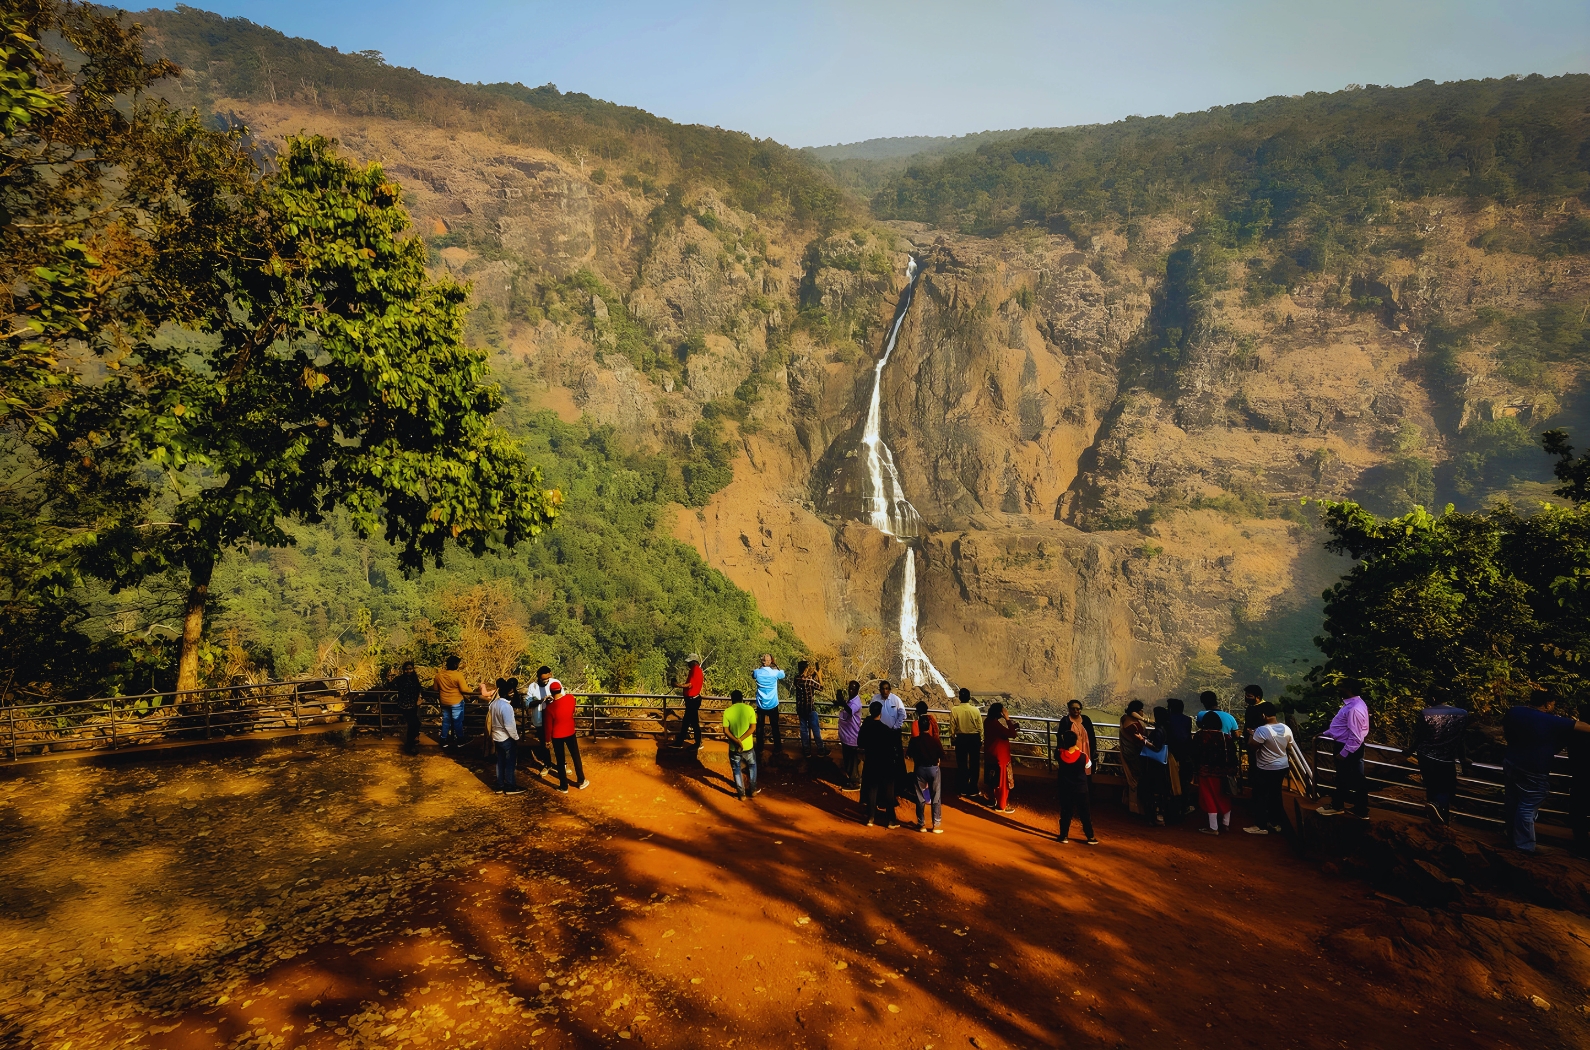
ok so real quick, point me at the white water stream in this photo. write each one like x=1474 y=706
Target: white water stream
x=891 y=513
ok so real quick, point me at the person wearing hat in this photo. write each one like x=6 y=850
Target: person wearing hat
x=560 y=730
x=692 y=688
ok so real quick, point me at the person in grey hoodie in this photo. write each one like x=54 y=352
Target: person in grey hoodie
x=505 y=735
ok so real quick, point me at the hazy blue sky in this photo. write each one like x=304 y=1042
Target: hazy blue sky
x=821 y=72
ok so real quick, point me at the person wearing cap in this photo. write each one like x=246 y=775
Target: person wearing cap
x=560 y=730
x=739 y=722
x=692 y=687
x=504 y=733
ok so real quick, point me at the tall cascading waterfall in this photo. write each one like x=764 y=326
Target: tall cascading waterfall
x=890 y=512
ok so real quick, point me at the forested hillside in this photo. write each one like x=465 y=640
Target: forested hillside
x=233 y=58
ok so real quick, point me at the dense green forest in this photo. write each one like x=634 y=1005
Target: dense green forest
x=609 y=598
x=1325 y=159
x=233 y=58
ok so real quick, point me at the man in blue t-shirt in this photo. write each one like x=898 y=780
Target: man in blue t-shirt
x=1534 y=736
x=768 y=676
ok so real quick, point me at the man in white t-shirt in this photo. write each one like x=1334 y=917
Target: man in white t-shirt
x=1272 y=741
x=536 y=695
x=893 y=718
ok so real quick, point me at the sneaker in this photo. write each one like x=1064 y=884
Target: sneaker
x=1329 y=811
x=1093 y=842
x=563 y=788
x=584 y=784
x=923 y=828
x=937 y=830
x=514 y=791
x=1159 y=822
x=1008 y=809
x=1256 y=830
x=1062 y=840
x=1435 y=812
x=868 y=822
x=739 y=796
x=1208 y=831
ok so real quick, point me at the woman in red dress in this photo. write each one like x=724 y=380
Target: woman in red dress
x=998 y=732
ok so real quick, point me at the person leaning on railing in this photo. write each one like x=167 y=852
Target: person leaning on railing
x=1534 y=735
x=1349 y=731
x=1438 y=748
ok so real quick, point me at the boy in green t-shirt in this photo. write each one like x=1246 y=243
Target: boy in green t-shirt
x=739 y=725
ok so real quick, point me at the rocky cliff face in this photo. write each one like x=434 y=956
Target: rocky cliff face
x=1087 y=532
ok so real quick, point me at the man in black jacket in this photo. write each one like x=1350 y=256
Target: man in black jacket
x=408 y=689
x=880 y=754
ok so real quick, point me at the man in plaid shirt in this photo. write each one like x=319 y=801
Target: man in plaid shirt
x=808 y=680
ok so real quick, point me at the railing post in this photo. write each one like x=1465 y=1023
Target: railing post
x=206 y=717
x=112 y=723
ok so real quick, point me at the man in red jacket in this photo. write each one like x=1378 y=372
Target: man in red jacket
x=560 y=730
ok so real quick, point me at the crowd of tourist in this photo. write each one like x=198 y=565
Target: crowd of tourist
x=1174 y=765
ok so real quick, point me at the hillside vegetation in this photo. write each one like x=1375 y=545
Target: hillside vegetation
x=1315 y=168
x=233 y=58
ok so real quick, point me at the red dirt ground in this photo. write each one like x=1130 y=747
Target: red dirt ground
x=654 y=909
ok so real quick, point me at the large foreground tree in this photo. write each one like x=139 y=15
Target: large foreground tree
x=1480 y=610
x=238 y=348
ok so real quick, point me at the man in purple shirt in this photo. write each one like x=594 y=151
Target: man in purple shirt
x=1349 y=730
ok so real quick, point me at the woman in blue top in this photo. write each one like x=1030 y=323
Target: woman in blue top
x=768 y=676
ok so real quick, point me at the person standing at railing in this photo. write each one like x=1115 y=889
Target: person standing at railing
x=536 y=695
x=894 y=718
x=1179 y=733
x=808 y=679
x=692 y=687
x=1133 y=734
x=560 y=728
x=1215 y=750
x=451 y=685
x=850 y=719
x=1349 y=731
x=1438 y=748
x=1272 y=748
x=879 y=750
x=966 y=722
x=739 y=720
x=768 y=676
x=1534 y=735
x=998 y=732
x=1074 y=768
x=1153 y=789
x=1087 y=737
x=408 y=688
x=927 y=752
x=504 y=733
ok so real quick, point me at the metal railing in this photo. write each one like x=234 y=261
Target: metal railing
x=1395 y=784
x=659 y=715
x=40 y=725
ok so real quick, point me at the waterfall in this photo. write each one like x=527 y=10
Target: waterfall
x=890 y=512
x=914 y=662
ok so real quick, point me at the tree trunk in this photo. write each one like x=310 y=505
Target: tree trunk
x=193 y=626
